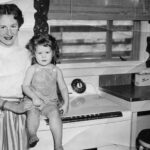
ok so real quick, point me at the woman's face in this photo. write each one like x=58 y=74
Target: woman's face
x=8 y=30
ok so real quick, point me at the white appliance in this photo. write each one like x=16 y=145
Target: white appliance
x=92 y=123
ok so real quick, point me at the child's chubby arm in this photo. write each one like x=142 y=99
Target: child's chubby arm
x=27 y=88
x=63 y=90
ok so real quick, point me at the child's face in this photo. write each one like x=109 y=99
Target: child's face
x=43 y=55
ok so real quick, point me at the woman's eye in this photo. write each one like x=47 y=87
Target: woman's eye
x=47 y=52
x=14 y=27
x=2 y=27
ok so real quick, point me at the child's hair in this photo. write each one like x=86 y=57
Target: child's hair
x=44 y=40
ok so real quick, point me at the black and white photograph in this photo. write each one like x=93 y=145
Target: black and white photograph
x=74 y=74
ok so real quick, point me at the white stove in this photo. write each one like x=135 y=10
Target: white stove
x=92 y=123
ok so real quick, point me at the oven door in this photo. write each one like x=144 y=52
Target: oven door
x=101 y=134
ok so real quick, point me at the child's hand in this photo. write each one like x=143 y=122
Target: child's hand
x=37 y=102
x=42 y=97
x=64 y=109
x=27 y=105
x=45 y=100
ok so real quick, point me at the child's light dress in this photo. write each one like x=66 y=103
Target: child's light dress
x=44 y=83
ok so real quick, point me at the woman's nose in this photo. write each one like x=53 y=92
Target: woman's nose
x=9 y=31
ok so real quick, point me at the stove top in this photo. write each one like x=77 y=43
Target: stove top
x=92 y=107
x=91 y=104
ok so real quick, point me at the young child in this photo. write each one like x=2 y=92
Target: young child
x=40 y=86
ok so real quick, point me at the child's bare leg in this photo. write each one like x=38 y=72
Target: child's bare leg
x=56 y=128
x=33 y=121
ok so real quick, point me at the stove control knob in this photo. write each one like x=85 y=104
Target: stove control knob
x=78 y=86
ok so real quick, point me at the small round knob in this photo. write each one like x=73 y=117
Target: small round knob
x=78 y=86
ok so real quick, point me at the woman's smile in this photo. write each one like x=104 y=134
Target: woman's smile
x=8 y=38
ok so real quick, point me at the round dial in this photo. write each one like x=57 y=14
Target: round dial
x=78 y=85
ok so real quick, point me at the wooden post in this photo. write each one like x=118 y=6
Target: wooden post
x=41 y=25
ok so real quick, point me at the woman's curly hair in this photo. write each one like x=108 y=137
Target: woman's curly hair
x=47 y=41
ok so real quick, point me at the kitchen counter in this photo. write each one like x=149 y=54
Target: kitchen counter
x=128 y=92
x=135 y=98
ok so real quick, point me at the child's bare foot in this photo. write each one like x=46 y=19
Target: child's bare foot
x=59 y=148
x=33 y=140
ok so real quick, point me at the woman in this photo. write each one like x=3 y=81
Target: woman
x=13 y=64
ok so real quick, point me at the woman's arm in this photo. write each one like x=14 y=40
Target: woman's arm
x=63 y=90
x=14 y=106
x=27 y=88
